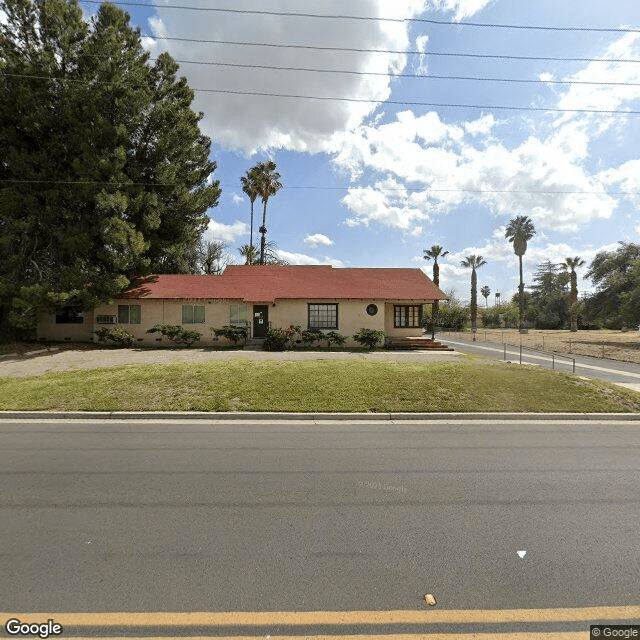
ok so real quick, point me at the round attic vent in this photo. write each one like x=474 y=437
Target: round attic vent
x=372 y=309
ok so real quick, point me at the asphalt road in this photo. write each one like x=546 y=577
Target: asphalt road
x=623 y=373
x=351 y=517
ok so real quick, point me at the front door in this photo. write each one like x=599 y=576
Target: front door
x=260 y=320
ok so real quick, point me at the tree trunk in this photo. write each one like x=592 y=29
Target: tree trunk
x=435 y=306
x=521 y=298
x=251 y=240
x=474 y=300
x=263 y=231
x=262 y=243
x=574 y=301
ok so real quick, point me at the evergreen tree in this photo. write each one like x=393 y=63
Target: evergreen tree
x=104 y=173
x=616 y=274
x=549 y=306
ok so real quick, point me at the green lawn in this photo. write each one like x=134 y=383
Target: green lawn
x=321 y=385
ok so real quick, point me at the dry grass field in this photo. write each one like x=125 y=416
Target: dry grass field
x=616 y=345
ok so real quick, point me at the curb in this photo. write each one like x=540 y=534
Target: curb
x=262 y=416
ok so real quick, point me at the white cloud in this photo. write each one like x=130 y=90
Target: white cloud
x=462 y=8
x=236 y=199
x=159 y=29
x=318 y=238
x=625 y=178
x=257 y=123
x=606 y=96
x=482 y=125
x=422 y=67
x=454 y=164
x=226 y=232
x=547 y=174
x=302 y=258
x=389 y=203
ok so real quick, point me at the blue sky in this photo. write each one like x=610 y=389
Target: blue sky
x=373 y=184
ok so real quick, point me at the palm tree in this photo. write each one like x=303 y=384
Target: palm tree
x=486 y=292
x=519 y=230
x=268 y=183
x=249 y=253
x=474 y=262
x=434 y=253
x=571 y=264
x=250 y=187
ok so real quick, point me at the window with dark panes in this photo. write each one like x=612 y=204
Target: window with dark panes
x=192 y=314
x=406 y=316
x=323 y=316
x=70 y=315
x=129 y=314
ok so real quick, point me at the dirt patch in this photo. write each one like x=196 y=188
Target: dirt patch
x=75 y=356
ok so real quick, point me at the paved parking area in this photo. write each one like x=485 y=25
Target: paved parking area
x=92 y=358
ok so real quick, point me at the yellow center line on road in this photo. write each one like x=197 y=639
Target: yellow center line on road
x=553 y=635
x=628 y=613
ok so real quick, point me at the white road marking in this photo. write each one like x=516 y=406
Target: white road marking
x=522 y=553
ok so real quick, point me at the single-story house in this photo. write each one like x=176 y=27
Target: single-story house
x=259 y=297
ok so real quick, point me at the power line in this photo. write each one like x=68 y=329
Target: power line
x=394 y=51
x=415 y=103
x=342 y=188
x=387 y=74
x=403 y=75
x=369 y=18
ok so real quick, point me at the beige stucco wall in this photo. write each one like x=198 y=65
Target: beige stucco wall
x=152 y=312
x=49 y=330
x=352 y=316
x=399 y=332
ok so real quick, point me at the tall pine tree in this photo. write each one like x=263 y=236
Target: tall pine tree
x=104 y=173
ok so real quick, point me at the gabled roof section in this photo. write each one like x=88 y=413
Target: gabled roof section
x=269 y=283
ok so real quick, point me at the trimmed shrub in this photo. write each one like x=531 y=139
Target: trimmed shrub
x=281 y=339
x=176 y=333
x=369 y=337
x=309 y=336
x=333 y=337
x=235 y=334
x=118 y=335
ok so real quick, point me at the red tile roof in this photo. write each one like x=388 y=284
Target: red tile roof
x=270 y=283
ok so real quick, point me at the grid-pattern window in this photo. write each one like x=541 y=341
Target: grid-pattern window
x=238 y=315
x=129 y=314
x=323 y=316
x=69 y=315
x=406 y=316
x=192 y=314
